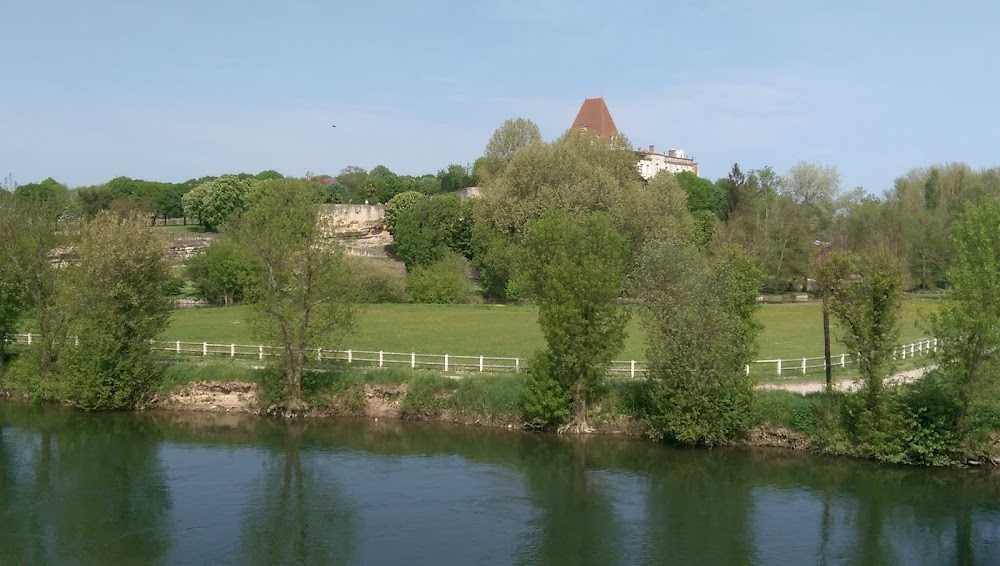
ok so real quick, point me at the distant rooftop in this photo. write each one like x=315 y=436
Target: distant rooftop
x=595 y=117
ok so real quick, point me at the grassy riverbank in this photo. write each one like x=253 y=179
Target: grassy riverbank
x=815 y=422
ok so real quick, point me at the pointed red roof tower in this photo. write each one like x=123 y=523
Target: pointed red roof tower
x=594 y=117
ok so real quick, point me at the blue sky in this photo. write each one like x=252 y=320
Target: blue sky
x=90 y=90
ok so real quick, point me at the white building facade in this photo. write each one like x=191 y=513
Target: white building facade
x=674 y=161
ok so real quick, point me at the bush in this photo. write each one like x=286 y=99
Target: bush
x=446 y=281
x=377 y=281
x=546 y=402
x=106 y=372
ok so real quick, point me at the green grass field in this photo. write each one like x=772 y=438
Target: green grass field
x=790 y=330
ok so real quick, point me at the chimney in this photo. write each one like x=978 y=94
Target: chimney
x=651 y=148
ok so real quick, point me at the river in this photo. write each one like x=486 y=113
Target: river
x=189 y=488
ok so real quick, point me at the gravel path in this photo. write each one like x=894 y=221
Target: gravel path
x=844 y=385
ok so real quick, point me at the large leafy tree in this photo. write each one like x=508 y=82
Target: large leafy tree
x=865 y=297
x=214 y=202
x=701 y=334
x=511 y=136
x=573 y=265
x=578 y=173
x=301 y=290
x=425 y=231
x=117 y=294
x=968 y=322
x=220 y=273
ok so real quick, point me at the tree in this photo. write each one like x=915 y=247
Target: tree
x=425 y=231
x=117 y=296
x=220 y=273
x=213 y=202
x=967 y=324
x=865 y=296
x=301 y=292
x=53 y=194
x=703 y=195
x=93 y=200
x=579 y=173
x=574 y=267
x=813 y=184
x=396 y=206
x=13 y=293
x=511 y=136
x=701 y=334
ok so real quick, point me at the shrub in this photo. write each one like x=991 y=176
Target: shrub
x=546 y=402
x=445 y=281
x=377 y=281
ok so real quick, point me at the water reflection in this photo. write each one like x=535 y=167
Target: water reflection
x=189 y=489
x=81 y=491
x=297 y=514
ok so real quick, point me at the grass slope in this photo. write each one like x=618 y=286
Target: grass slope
x=792 y=330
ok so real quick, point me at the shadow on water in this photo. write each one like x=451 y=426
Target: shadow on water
x=82 y=488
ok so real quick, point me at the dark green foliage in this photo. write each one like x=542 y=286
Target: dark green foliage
x=546 y=402
x=220 y=273
x=701 y=335
x=573 y=266
x=446 y=281
x=428 y=228
x=116 y=294
x=702 y=194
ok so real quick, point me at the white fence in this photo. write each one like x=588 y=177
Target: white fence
x=789 y=367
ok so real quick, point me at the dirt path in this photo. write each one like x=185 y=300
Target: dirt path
x=843 y=385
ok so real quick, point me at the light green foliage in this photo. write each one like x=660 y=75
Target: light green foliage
x=220 y=273
x=396 y=206
x=116 y=293
x=215 y=201
x=512 y=135
x=445 y=281
x=968 y=323
x=302 y=291
x=865 y=298
x=701 y=334
x=578 y=173
x=378 y=281
x=573 y=266
x=813 y=184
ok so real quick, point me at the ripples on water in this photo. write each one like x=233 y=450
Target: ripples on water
x=158 y=488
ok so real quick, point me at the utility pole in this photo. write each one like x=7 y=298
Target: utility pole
x=824 y=247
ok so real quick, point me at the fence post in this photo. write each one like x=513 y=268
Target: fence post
x=413 y=360
x=746 y=369
x=319 y=354
x=446 y=362
x=177 y=347
x=29 y=338
x=76 y=340
x=349 y=356
x=480 y=364
x=843 y=360
x=232 y=350
x=779 y=368
x=903 y=349
x=517 y=365
x=803 y=366
x=935 y=344
x=631 y=369
x=911 y=350
x=260 y=352
x=204 y=349
x=380 y=353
